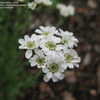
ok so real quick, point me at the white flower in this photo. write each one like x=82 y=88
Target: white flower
x=54 y=69
x=68 y=39
x=46 y=31
x=66 y=10
x=32 y=5
x=38 y=59
x=56 y=56
x=29 y=43
x=52 y=51
x=71 y=10
x=71 y=58
x=45 y=2
x=50 y=43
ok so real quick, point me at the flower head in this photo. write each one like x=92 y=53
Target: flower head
x=38 y=59
x=32 y=5
x=52 y=51
x=47 y=31
x=29 y=43
x=66 y=10
x=50 y=43
x=68 y=39
x=54 y=69
x=71 y=58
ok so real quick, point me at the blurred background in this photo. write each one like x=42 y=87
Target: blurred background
x=20 y=82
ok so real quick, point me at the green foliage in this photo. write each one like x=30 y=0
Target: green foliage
x=56 y=1
x=13 y=77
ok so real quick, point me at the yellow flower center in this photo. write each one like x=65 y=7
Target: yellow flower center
x=46 y=33
x=31 y=44
x=54 y=67
x=40 y=61
x=50 y=45
x=68 y=58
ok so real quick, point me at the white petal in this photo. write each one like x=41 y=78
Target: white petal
x=41 y=66
x=77 y=65
x=70 y=65
x=32 y=5
x=28 y=54
x=45 y=70
x=59 y=47
x=34 y=37
x=76 y=60
x=33 y=61
x=76 y=40
x=33 y=64
x=54 y=79
x=22 y=47
x=49 y=75
x=27 y=38
x=55 y=39
x=42 y=28
x=46 y=79
x=39 y=52
x=21 y=41
x=38 y=31
x=63 y=67
x=59 y=75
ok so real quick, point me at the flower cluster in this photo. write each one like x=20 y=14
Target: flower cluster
x=66 y=10
x=63 y=9
x=33 y=5
x=51 y=50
